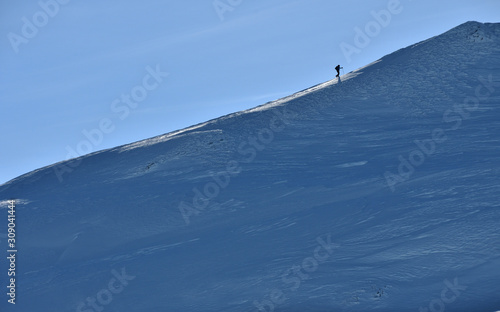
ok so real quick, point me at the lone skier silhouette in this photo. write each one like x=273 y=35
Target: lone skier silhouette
x=338 y=70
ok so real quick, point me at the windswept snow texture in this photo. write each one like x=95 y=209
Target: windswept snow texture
x=378 y=191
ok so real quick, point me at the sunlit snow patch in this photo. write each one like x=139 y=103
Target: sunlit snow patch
x=353 y=164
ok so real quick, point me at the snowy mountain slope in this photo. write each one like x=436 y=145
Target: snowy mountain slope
x=375 y=192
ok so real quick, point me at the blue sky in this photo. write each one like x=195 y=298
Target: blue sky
x=83 y=76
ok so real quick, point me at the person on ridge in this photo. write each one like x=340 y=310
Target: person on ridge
x=338 y=70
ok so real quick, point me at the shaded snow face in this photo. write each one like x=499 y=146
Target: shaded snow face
x=377 y=191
